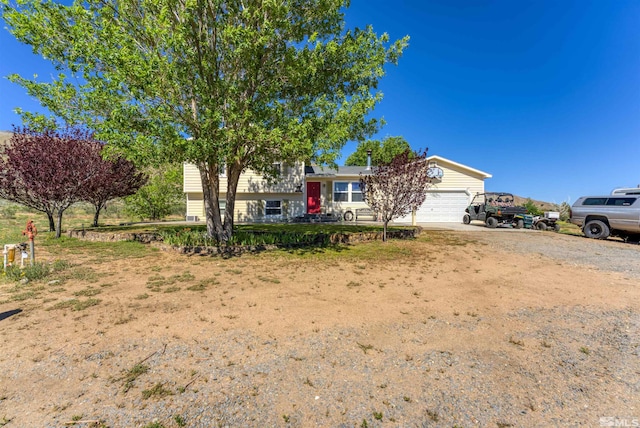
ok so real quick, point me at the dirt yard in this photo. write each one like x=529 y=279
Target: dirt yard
x=454 y=329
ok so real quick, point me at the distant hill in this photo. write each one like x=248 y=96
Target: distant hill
x=544 y=206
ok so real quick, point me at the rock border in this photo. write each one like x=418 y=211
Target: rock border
x=90 y=235
x=155 y=239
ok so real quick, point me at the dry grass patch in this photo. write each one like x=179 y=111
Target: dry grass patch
x=75 y=304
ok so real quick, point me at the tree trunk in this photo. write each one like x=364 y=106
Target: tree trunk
x=96 y=216
x=59 y=230
x=384 y=232
x=211 y=193
x=233 y=177
x=52 y=224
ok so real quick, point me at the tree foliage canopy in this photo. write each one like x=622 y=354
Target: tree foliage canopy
x=241 y=83
x=397 y=188
x=381 y=151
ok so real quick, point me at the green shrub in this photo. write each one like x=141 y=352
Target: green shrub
x=189 y=237
x=160 y=197
x=34 y=272
x=13 y=273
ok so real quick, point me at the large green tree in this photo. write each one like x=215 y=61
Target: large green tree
x=382 y=152
x=240 y=83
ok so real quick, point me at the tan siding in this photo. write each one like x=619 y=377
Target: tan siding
x=242 y=209
x=292 y=176
x=195 y=205
x=250 y=182
x=454 y=179
x=250 y=207
x=191 y=179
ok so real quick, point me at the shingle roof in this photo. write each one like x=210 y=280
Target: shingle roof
x=354 y=171
x=320 y=171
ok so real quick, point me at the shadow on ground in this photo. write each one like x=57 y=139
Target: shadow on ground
x=7 y=314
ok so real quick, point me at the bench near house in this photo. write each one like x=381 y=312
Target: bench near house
x=311 y=189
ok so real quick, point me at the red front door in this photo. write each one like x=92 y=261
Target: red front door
x=313 y=198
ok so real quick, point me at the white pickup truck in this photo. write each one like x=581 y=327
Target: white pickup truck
x=611 y=215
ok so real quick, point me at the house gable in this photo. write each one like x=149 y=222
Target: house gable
x=455 y=166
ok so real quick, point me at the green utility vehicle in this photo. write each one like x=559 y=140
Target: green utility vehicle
x=497 y=208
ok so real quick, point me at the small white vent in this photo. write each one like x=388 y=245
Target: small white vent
x=192 y=218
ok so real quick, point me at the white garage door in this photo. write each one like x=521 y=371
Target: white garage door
x=441 y=207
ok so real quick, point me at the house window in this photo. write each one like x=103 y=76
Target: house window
x=273 y=208
x=223 y=170
x=340 y=191
x=223 y=207
x=356 y=193
x=277 y=168
x=344 y=191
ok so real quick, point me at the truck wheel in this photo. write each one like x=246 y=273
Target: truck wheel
x=348 y=216
x=466 y=219
x=541 y=225
x=519 y=224
x=596 y=229
x=556 y=227
x=492 y=222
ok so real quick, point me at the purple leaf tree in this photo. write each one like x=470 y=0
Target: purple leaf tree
x=50 y=170
x=397 y=188
x=112 y=179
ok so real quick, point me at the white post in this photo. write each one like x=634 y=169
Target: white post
x=413 y=217
x=32 y=252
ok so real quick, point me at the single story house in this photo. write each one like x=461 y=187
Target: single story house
x=320 y=190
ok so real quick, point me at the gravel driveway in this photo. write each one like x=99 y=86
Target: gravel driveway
x=608 y=255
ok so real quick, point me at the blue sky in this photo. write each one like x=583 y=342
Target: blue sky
x=544 y=95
